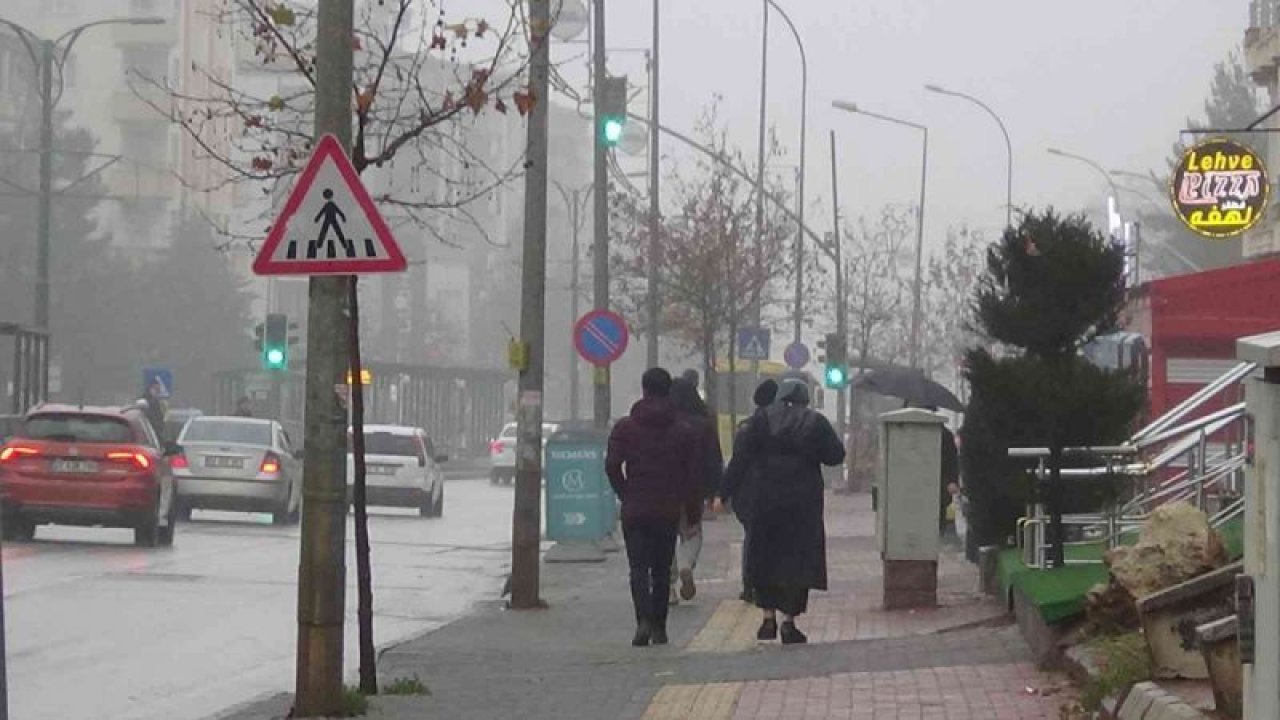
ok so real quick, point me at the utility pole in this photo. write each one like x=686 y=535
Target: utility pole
x=918 y=283
x=842 y=324
x=322 y=570
x=764 y=97
x=652 y=307
x=603 y=402
x=45 y=208
x=526 y=532
x=574 y=312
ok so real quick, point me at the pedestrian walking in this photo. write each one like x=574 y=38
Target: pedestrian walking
x=152 y=403
x=650 y=464
x=788 y=556
x=708 y=469
x=738 y=481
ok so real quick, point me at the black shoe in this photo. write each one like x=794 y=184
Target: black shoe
x=768 y=630
x=642 y=636
x=659 y=635
x=791 y=635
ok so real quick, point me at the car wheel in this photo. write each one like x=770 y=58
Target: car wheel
x=147 y=532
x=19 y=529
x=495 y=477
x=437 y=507
x=183 y=509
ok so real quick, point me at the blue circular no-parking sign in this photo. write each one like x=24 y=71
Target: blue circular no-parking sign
x=601 y=337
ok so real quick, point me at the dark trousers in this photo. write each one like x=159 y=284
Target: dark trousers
x=651 y=545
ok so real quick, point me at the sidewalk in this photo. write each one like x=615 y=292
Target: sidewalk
x=962 y=660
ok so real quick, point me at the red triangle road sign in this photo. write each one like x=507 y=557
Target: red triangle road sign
x=329 y=225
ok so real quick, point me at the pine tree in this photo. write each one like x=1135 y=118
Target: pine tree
x=1051 y=285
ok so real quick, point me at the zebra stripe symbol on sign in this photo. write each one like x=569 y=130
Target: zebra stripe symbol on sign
x=601 y=337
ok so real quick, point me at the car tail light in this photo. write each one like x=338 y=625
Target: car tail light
x=14 y=452
x=178 y=462
x=139 y=460
x=495 y=447
x=270 y=465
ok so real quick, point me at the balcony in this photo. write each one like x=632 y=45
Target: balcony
x=1262 y=41
x=129 y=108
x=130 y=182
x=163 y=35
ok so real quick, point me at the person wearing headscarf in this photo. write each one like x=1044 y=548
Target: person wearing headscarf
x=737 y=487
x=788 y=535
x=708 y=468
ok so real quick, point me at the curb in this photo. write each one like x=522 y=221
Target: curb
x=1146 y=701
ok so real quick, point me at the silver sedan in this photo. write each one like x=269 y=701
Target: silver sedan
x=238 y=463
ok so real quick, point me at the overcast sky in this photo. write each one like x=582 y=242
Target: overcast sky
x=1113 y=80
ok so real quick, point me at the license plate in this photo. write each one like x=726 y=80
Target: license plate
x=74 y=466
x=382 y=469
x=222 y=461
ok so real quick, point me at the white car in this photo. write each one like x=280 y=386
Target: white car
x=402 y=469
x=502 y=453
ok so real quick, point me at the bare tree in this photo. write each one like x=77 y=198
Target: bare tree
x=715 y=268
x=950 y=278
x=419 y=77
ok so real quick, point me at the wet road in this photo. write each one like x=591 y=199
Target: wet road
x=100 y=629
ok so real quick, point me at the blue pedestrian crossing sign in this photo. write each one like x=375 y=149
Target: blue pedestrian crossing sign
x=753 y=343
x=158 y=376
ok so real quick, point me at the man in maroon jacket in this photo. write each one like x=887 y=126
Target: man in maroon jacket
x=650 y=463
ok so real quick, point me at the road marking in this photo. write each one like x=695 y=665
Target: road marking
x=732 y=628
x=715 y=701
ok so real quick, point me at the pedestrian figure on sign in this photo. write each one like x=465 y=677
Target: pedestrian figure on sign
x=708 y=469
x=788 y=556
x=650 y=464
x=329 y=216
x=740 y=477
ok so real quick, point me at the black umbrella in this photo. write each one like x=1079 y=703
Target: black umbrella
x=909 y=384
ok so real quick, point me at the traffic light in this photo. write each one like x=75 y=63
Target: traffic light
x=835 y=357
x=611 y=110
x=275 y=345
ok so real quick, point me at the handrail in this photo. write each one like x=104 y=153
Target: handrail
x=1232 y=412
x=1180 y=410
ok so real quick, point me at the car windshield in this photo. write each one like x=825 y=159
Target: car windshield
x=384 y=443
x=509 y=431
x=228 y=431
x=71 y=427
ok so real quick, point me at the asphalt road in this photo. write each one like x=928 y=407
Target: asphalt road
x=100 y=629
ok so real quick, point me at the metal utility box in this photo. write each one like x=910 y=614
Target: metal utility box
x=909 y=507
x=909 y=490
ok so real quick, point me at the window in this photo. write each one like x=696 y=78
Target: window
x=509 y=431
x=382 y=443
x=69 y=427
x=428 y=447
x=228 y=431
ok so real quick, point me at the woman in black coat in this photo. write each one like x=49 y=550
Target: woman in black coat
x=788 y=555
x=737 y=486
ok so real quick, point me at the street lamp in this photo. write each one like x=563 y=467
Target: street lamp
x=49 y=54
x=924 y=172
x=1008 y=146
x=1145 y=177
x=797 y=314
x=1115 y=193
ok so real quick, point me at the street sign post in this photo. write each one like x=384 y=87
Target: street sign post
x=753 y=343
x=601 y=337
x=161 y=376
x=796 y=355
x=329 y=225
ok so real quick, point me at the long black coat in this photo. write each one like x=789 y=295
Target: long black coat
x=788 y=444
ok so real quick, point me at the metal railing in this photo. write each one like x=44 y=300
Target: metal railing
x=1212 y=474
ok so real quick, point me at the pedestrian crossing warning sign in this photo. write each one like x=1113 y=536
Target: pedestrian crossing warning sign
x=329 y=225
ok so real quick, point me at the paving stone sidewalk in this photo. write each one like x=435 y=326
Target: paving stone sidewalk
x=574 y=661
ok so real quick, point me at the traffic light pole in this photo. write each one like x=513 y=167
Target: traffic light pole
x=603 y=400
x=841 y=310
x=322 y=569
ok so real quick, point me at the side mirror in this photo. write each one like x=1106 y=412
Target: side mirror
x=442 y=458
x=172 y=449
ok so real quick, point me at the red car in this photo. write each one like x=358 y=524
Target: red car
x=90 y=466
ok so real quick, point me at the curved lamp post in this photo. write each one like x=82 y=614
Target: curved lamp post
x=924 y=171
x=797 y=314
x=1008 y=146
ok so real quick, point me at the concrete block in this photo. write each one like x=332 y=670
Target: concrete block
x=1138 y=701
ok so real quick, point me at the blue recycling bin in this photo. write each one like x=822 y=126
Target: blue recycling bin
x=580 y=505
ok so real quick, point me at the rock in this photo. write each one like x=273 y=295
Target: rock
x=1109 y=609
x=1175 y=544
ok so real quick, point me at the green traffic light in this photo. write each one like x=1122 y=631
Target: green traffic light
x=275 y=358
x=612 y=130
x=835 y=376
